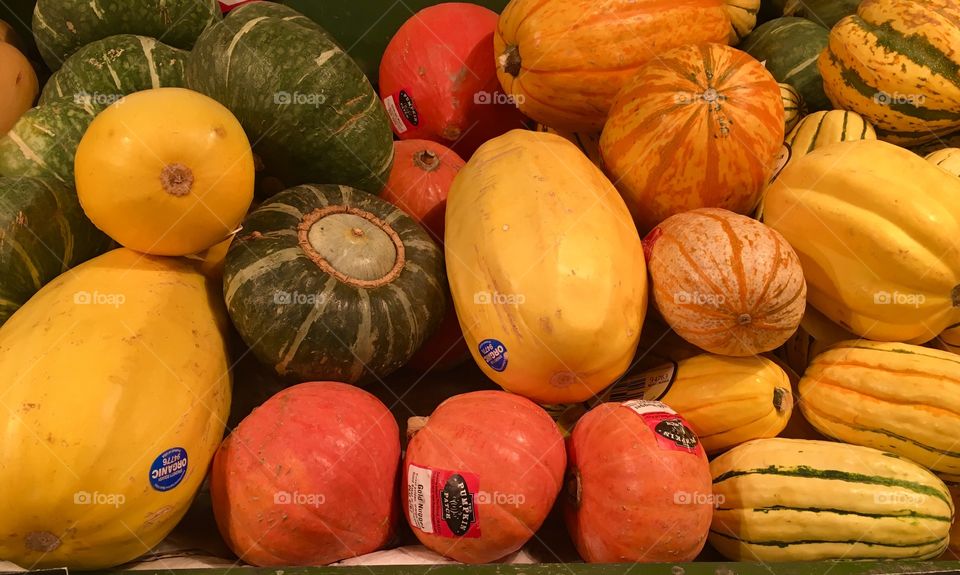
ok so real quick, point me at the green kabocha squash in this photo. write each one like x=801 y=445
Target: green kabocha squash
x=43 y=233
x=332 y=283
x=824 y=12
x=789 y=48
x=44 y=141
x=105 y=70
x=306 y=106
x=61 y=27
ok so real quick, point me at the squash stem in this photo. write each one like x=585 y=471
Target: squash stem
x=426 y=160
x=510 y=60
x=176 y=179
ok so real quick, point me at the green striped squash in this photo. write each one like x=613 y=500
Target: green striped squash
x=807 y=500
x=897 y=397
x=743 y=18
x=947 y=158
x=331 y=283
x=61 y=27
x=789 y=48
x=44 y=141
x=897 y=64
x=793 y=107
x=308 y=109
x=108 y=69
x=824 y=12
x=43 y=233
x=827 y=127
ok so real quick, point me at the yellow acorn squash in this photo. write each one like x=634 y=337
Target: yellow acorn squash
x=876 y=228
x=546 y=268
x=115 y=389
x=165 y=172
x=18 y=86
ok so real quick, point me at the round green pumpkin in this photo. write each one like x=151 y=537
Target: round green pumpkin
x=789 y=47
x=824 y=12
x=104 y=71
x=43 y=233
x=61 y=27
x=44 y=141
x=332 y=283
x=308 y=109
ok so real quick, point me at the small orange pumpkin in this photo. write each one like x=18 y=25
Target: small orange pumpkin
x=725 y=282
x=700 y=126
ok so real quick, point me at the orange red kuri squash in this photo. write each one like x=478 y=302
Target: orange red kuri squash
x=309 y=478
x=564 y=61
x=420 y=179
x=638 y=485
x=700 y=126
x=438 y=79
x=725 y=282
x=482 y=475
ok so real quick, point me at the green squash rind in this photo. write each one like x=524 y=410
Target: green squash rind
x=309 y=111
x=43 y=233
x=334 y=331
x=789 y=47
x=61 y=27
x=44 y=141
x=115 y=66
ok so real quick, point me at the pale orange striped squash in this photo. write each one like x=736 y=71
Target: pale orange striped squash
x=701 y=126
x=565 y=60
x=725 y=282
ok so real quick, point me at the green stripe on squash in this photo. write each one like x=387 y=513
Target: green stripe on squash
x=908 y=515
x=784 y=544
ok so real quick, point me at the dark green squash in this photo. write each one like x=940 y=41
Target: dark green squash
x=309 y=111
x=824 y=12
x=61 y=27
x=331 y=283
x=789 y=48
x=107 y=69
x=44 y=141
x=43 y=233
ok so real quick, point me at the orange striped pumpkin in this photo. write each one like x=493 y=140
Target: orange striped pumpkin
x=564 y=61
x=725 y=282
x=701 y=126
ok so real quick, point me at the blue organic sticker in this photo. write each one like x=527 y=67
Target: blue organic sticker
x=169 y=469
x=494 y=353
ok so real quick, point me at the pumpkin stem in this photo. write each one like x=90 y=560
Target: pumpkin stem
x=357 y=232
x=414 y=425
x=955 y=296
x=744 y=319
x=41 y=541
x=780 y=396
x=426 y=160
x=176 y=179
x=510 y=60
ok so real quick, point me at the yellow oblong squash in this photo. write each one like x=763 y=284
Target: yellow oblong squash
x=546 y=268
x=892 y=396
x=726 y=400
x=827 y=127
x=876 y=228
x=116 y=386
x=808 y=500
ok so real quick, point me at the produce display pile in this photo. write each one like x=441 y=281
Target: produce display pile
x=679 y=280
